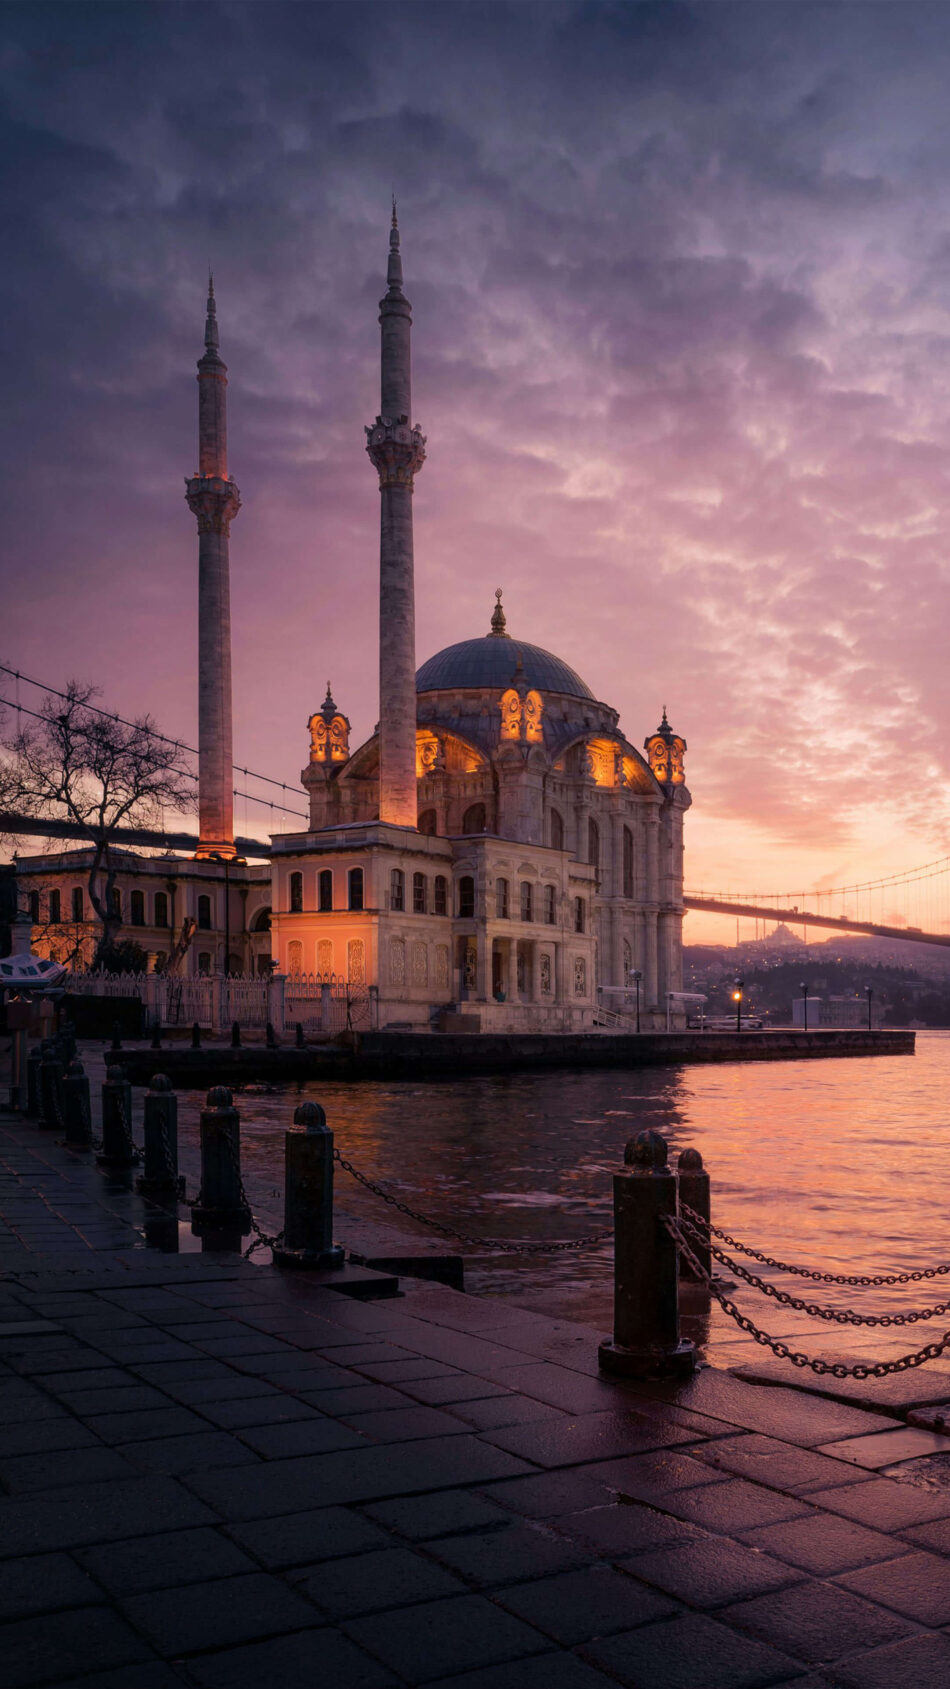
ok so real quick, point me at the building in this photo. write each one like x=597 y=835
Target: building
x=499 y=850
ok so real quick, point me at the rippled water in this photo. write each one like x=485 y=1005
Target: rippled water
x=840 y=1165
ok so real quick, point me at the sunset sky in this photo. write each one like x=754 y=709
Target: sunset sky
x=680 y=277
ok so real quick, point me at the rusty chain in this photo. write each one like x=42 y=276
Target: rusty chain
x=497 y=1245
x=859 y=1280
x=835 y=1369
x=262 y=1239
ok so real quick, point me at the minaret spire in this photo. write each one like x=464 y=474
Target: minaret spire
x=397 y=450
x=214 y=500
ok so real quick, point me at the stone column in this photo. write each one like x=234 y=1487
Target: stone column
x=397 y=450
x=650 y=981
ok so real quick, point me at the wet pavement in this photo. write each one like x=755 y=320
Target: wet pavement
x=216 y=1474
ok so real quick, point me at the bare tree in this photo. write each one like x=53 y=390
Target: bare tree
x=76 y=763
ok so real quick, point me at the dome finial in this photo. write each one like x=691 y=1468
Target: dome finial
x=499 y=625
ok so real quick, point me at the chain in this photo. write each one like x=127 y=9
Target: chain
x=861 y=1280
x=499 y=1245
x=262 y=1239
x=836 y=1369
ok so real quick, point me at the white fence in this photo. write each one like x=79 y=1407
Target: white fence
x=320 y=1003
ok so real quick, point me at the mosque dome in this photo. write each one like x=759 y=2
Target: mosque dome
x=490 y=662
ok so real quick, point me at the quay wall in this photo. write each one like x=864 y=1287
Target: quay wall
x=407 y=1055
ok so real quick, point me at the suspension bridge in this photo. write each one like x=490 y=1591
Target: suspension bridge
x=880 y=908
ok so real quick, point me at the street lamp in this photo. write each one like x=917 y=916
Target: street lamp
x=870 y=991
x=636 y=975
x=803 y=988
x=737 y=999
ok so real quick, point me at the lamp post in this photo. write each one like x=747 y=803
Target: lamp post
x=870 y=991
x=803 y=988
x=737 y=998
x=636 y=975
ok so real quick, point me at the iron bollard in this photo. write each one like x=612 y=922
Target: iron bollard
x=298 y=1035
x=221 y=1201
x=77 y=1112
x=646 y=1341
x=693 y=1183
x=116 y=1036
x=51 y=1088
x=235 y=1035
x=33 y=1061
x=67 y=1035
x=270 y=1036
x=118 y=1150
x=195 y=1035
x=308 y=1193
x=160 y=1173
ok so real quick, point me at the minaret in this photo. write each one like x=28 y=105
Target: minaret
x=397 y=450
x=214 y=499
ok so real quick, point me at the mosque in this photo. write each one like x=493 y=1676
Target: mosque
x=498 y=856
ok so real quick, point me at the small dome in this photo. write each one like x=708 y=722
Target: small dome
x=490 y=662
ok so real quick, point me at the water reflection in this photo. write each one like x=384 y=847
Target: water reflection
x=838 y=1165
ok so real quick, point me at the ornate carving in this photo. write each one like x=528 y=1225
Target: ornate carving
x=665 y=750
x=396 y=449
x=213 y=501
x=521 y=716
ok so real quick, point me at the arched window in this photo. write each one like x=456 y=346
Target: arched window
x=137 y=908
x=261 y=921
x=116 y=903
x=550 y=905
x=325 y=890
x=296 y=894
x=440 y=899
x=466 y=896
x=527 y=901
x=204 y=913
x=354 y=882
x=593 y=843
x=473 y=821
x=419 y=900
x=427 y=823
x=295 y=957
x=161 y=909
x=204 y=961
x=578 y=914
x=397 y=889
x=501 y=899
x=55 y=913
x=78 y=908
x=35 y=908
x=557 y=830
x=627 y=862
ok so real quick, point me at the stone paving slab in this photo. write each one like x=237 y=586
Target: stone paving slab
x=216 y=1474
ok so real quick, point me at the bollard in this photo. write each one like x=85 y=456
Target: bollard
x=116 y=1036
x=67 y=1035
x=221 y=1201
x=118 y=1150
x=270 y=1036
x=33 y=1061
x=195 y=1035
x=160 y=1172
x=156 y=1035
x=308 y=1193
x=235 y=1035
x=51 y=1088
x=646 y=1341
x=298 y=1035
x=693 y=1184
x=77 y=1112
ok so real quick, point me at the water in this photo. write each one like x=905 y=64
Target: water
x=841 y=1166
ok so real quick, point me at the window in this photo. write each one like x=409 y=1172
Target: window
x=501 y=900
x=557 y=830
x=296 y=894
x=547 y=975
x=325 y=890
x=627 y=862
x=55 y=914
x=419 y=894
x=440 y=889
x=78 y=914
x=204 y=913
x=115 y=903
x=527 y=911
x=580 y=977
x=161 y=909
x=473 y=821
x=593 y=844
x=137 y=908
x=354 y=880
x=204 y=961
x=295 y=957
x=397 y=889
x=578 y=914
x=35 y=908
x=550 y=905
x=427 y=823
x=466 y=896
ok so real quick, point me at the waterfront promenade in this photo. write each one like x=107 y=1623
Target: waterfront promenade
x=219 y=1475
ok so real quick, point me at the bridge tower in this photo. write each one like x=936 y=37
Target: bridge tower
x=214 y=499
